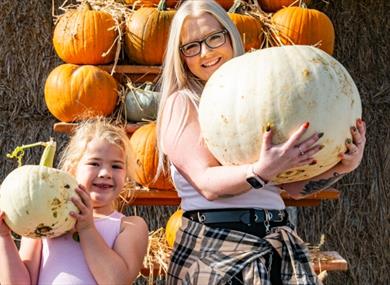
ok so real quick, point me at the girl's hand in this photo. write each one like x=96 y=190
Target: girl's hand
x=84 y=204
x=275 y=159
x=4 y=229
x=351 y=159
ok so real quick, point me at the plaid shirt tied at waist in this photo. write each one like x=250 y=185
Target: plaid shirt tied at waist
x=210 y=256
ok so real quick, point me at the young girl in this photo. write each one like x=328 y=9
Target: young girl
x=106 y=247
x=235 y=228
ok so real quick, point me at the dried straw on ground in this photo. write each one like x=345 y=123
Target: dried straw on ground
x=357 y=225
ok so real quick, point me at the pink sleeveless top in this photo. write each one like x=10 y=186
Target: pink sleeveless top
x=63 y=261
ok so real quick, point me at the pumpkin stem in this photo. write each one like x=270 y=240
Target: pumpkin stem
x=162 y=5
x=237 y=7
x=47 y=158
x=302 y=4
x=85 y=6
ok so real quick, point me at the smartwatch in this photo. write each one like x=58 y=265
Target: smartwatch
x=254 y=180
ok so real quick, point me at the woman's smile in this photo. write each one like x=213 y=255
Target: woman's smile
x=211 y=63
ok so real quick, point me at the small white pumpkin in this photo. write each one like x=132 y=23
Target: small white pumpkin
x=36 y=199
x=284 y=87
x=141 y=103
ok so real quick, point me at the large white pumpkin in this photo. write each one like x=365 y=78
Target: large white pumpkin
x=284 y=87
x=36 y=201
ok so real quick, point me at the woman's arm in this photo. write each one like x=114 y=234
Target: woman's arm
x=183 y=145
x=119 y=265
x=350 y=160
x=15 y=268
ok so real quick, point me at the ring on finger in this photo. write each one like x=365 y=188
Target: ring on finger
x=301 y=152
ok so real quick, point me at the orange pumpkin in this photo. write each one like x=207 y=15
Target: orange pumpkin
x=144 y=147
x=173 y=225
x=249 y=27
x=147 y=31
x=275 y=5
x=75 y=92
x=83 y=36
x=302 y=26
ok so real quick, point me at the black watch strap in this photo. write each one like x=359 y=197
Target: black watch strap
x=254 y=180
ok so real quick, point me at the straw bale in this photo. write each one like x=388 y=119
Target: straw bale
x=357 y=225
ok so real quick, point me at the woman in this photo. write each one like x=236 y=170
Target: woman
x=235 y=228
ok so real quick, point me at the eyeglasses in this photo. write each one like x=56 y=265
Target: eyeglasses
x=212 y=41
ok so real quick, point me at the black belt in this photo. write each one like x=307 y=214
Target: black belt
x=246 y=216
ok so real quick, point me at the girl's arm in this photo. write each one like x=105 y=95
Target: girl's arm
x=183 y=145
x=131 y=244
x=15 y=268
x=119 y=265
x=350 y=161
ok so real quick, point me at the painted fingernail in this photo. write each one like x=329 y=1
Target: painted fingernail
x=306 y=125
x=314 y=162
x=320 y=135
x=341 y=155
x=268 y=127
x=353 y=129
x=359 y=121
x=348 y=141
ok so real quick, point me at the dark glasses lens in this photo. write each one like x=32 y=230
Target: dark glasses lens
x=212 y=41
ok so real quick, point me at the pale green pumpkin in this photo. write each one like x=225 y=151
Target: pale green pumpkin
x=284 y=87
x=36 y=200
x=141 y=103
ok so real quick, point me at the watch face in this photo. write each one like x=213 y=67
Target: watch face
x=254 y=182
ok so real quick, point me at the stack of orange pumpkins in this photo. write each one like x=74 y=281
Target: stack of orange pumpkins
x=78 y=89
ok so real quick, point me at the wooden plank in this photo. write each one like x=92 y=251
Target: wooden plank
x=133 y=69
x=170 y=198
x=67 y=128
x=328 y=261
x=155 y=197
x=322 y=261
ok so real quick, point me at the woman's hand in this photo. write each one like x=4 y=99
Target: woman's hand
x=275 y=159
x=351 y=159
x=4 y=229
x=84 y=204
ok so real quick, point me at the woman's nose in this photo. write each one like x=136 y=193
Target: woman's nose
x=204 y=49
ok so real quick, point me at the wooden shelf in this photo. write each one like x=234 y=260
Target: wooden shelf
x=133 y=69
x=328 y=261
x=170 y=198
x=67 y=128
x=321 y=260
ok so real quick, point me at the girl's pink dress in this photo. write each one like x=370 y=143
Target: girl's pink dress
x=63 y=260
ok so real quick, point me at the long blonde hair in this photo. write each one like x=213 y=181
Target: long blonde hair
x=175 y=75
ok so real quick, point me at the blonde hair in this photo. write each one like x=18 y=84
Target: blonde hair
x=175 y=75
x=85 y=132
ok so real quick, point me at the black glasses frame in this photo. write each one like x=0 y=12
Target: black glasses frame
x=224 y=32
